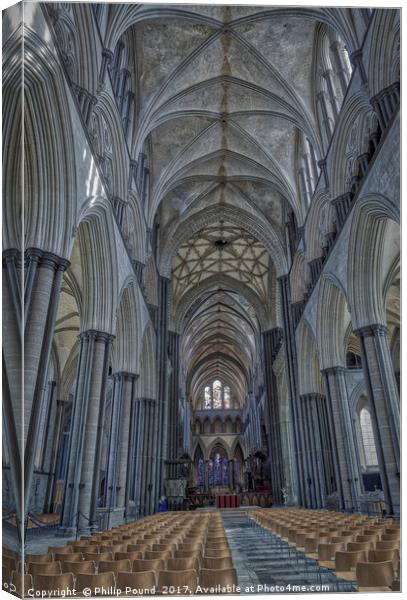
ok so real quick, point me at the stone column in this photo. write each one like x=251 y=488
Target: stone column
x=345 y=452
x=54 y=453
x=125 y=449
x=86 y=431
x=272 y=341
x=291 y=353
x=173 y=399
x=112 y=461
x=317 y=457
x=328 y=76
x=231 y=482
x=341 y=68
x=44 y=273
x=161 y=430
x=384 y=408
x=326 y=120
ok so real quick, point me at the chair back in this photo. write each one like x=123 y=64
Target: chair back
x=114 y=566
x=376 y=574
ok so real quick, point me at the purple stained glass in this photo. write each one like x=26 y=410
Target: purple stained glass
x=225 y=471
x=210 y=473
x=218 y=470
x=201 y=473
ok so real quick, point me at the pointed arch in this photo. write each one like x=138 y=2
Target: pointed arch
x=309 y=369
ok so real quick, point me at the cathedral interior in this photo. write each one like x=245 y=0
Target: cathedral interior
x=201 y=273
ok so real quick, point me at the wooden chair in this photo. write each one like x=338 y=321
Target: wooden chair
x=385 y=555
x=376 y=576
x=149 y=565
x=209 y=578
x=217 y=563
x=128 y=555
x=354 y=546
x=114 y=566
x=97 y=556
x=38 y=558
x=327 y=552
x=42 y=568
x=69 y=557
x=94 y=582
x=22 y=583
x=183 y=564
x=185 y=580
x=222 y=553
x=54 y=583
x=137 y=583
x=388 y=545
x=60 y=549
x=345 y=563
x=163 y=554
x=83 y=566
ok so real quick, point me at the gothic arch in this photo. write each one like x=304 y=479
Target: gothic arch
x=354 y=125
x=309 y=369
x=332 y=322
x=217 y=442
x=49 y=169
x=96 y=235
x=384 y=58
x=372 y=228
x=148 y=370
x=124 y=355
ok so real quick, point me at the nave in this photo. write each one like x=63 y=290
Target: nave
x=206 y=251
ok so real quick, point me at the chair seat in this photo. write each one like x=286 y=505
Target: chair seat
x=346 y=575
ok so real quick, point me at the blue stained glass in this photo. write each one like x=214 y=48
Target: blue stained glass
x=218 y=470
x=225 y=471
x=210 y=473
x=201 y=473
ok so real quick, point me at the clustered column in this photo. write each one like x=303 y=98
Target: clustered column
x=271 y=342
x=384 y=407
x=43 y=279
x=86 y=431
x=145 y=455
x=346 y=462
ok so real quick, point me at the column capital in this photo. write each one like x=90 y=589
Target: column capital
x=125 y=375
x=46 y=259
x=333 y=370
x=312 y=396
x=11 y=255
x=107 y=54
x=96 y=335
x=371 y=330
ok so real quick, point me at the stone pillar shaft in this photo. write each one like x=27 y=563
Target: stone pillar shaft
x=348 y=476
x=384 y=407
x=45 y=273
x=86 y=430
x=124 y=443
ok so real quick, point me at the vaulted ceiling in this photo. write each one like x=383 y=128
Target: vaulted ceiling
x=225 y=96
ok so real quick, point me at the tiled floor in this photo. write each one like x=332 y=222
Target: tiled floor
x=266 y=564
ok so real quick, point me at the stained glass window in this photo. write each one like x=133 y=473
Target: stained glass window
x=201 y=473
x=217 y=394
x=226 y=397
x=368 y=438
x=208 y=402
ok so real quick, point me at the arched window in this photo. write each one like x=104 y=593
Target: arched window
x=217 y=397
x=369 y=447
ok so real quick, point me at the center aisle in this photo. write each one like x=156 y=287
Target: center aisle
x=264 y=562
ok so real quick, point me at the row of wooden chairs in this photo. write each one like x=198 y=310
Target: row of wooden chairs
x=156 y=552
x=356 y=547
x=129 y=583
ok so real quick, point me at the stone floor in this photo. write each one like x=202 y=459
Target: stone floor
x=266 y=564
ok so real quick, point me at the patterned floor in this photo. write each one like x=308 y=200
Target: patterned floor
x=266 y=564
